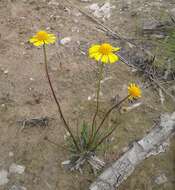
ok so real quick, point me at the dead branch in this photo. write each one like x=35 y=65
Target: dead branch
x=34 y=122
x=151 y=144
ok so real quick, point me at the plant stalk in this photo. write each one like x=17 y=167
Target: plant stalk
x=56 y=100
x=102 y=140
x=101 y=67
x=107 y=114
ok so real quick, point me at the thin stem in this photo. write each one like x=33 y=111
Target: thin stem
x=97 y=102
x=102 y=140
x=107 y=114
x=56 y=100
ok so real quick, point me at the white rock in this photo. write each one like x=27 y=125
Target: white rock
x=17 y=187
x=85 y=0
x=106 y=9
x=32 y=79
x=6 y=72
x=89 y=98
x=172 y=12
x=67 y=135
x=105 y=79
x=3 y=177
x=14 y=168
x=66 y=162
x=94 y=7
x=65 y=40
x=53 y=2
x=3 y=105
x=11 y=154
x=161 y=179
x=101 y=12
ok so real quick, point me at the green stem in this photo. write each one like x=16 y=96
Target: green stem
x=102 y=140
x=107 y=114
x=56 y=100
x=97 y=102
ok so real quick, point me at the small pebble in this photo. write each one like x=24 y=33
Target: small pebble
x=32 y=79
x=53 y=2
x=3 y=177
x=89 y=98
x=17 y=187
x=66 y=162
x=161 y=179
x=3 y=105
x=6 y=72
x=11 y=154
x=65 y=40
x=85 y=0
x=14 y=168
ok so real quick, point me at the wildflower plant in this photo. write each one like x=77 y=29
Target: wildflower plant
x=42 y=38
x=84 y=144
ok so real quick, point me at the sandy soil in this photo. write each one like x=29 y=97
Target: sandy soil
x=24 y=92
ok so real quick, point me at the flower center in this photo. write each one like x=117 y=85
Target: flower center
x=135 y=91
x=42 y=35
x=105 y=49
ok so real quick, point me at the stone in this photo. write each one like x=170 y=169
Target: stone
x=14 y=168
x=161 y=179
x=11 y=154
x=101 y=12
x=6 y=72
x=94 y=7
x=17 y=187
x=65 y=40
x=85 y=1
x=31 y=79
x=106 y=9
x=150 y=25
x=3 y=177
x=53 y=2
x=172 y=12
x=89 y=98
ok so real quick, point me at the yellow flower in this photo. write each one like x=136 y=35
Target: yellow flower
x=134 y=91
x=103 y=53
x=42 y=37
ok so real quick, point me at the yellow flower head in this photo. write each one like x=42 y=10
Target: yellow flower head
x=134 y=91
x=104 y=53
x=42 y=37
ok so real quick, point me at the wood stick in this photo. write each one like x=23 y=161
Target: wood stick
x=113 y=176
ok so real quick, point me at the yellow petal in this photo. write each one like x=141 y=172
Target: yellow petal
x=52 y=35
x=115 y=48
x=49 y=41
x=113 y=58
x=104 y=59
x=92 y=55
x=97 y=56
x=94 y=49
x=38 y=43
x=33 y=39
x=52 y=38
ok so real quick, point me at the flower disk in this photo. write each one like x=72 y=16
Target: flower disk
x=42 y=37
x=134 y=91
x=104 y=53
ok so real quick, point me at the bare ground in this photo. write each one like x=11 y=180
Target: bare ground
x=24 y=92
